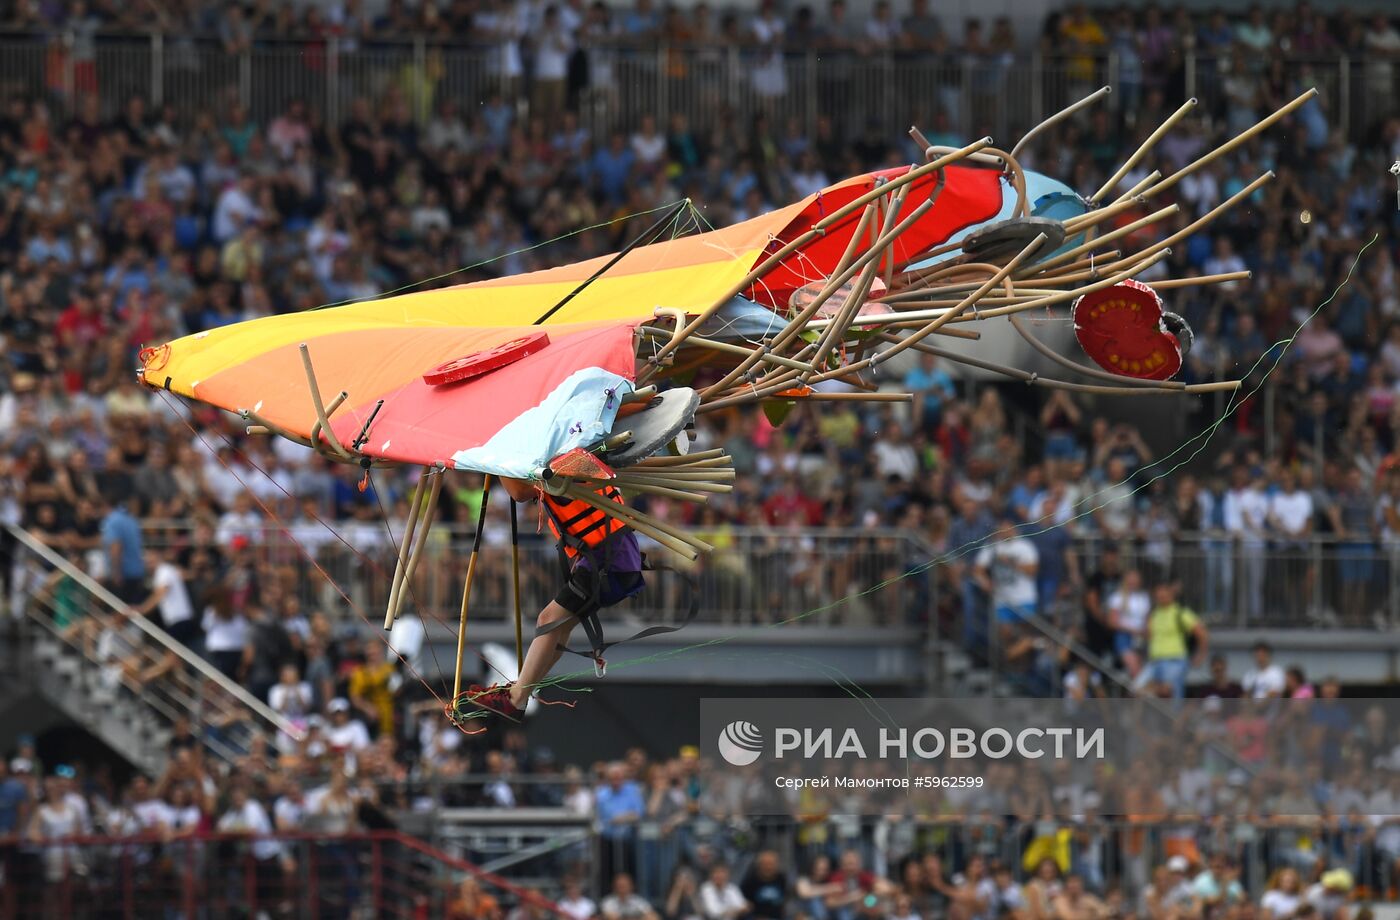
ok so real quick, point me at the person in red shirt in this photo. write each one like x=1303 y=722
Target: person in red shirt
x=790 y=506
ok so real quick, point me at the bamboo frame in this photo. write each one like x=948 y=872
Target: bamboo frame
x=515 y=578
x=467 y=591
x=817 y=230
x=322 y=419
x=799 y=322
x=415 y=507
x=681 y=543
x=415 y=556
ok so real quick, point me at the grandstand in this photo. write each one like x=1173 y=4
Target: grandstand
x=171 y=168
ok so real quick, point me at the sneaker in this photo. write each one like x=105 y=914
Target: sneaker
x=494 y=699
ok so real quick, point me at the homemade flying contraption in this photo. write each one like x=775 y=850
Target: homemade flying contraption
x=593 y=373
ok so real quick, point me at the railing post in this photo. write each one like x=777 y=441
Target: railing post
x=377 y=875
x=663 y=86
x=1317 y=561
x=1237 y=582
x=810 y=71
x=1113 y=69
x=69 y=83
x=245 y=78
x=157 y=69
x=128 y=887
x=1344 y=94
x=1037 y=87
x=965 y=98
x=1270 y=446
x=332 y=114
x=190 y=886
x=420 y=72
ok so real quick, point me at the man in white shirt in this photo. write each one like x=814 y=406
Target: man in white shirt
x=1291 y=517
x=168 y=593
x=246 y=815
x=1006 y=569
x=1266 y=679
x=720 y=898
x=575 y=904
x=154 y=815
x=624 y=903
x=554 y=43
x=239 y=521
x=235 y=209
x=1246 y=518
x=345 y=733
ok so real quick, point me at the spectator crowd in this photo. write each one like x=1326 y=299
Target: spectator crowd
x=123 y=228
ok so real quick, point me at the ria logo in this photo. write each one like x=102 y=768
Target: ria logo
x=740 y=743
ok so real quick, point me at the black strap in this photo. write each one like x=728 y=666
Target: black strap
x=592 y=626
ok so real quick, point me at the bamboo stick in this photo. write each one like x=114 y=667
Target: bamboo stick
x=729 y=348
x=1037 y=380
x=714 y=453
x=1060 y=116
x=415 y=556
x=1206 y=218
x=715 y=475
x=647 y=488
x=716 y=488
x=330 y=410
x=1204 y=160
x=865 y=218
x=396 y=584
x=1142 y=150
x=1122 y=231
x=321 y=418
x=467 y=591
x=515 y=579
x=1170 y=283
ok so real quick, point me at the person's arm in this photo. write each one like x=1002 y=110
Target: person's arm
x=1202 y=643
x=357 y=697
x=519 y=489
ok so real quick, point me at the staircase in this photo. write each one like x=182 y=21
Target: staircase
x=118 y=674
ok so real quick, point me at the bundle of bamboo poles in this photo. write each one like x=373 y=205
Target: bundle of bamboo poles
x=692 y=477
x=832 y=338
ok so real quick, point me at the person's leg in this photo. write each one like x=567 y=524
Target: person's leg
x=1175 y=676
x=543 y=653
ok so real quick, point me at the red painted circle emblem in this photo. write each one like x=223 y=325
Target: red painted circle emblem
x=483 y=362
x=1122 y=329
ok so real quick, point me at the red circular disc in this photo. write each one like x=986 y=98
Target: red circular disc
x=1121 y=328
x=469 y=366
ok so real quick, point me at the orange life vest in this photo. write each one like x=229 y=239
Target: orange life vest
x=583 y=526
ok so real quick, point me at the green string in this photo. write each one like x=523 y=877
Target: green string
x=484 y=262
x=1282 y=346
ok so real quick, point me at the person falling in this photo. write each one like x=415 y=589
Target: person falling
x=602 y=566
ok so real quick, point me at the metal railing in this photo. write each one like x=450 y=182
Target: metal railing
x=122 y=654
x=760 y=575
x=1110 y=855
x=755 y=575
x=1000 y=95
x=379 y=874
